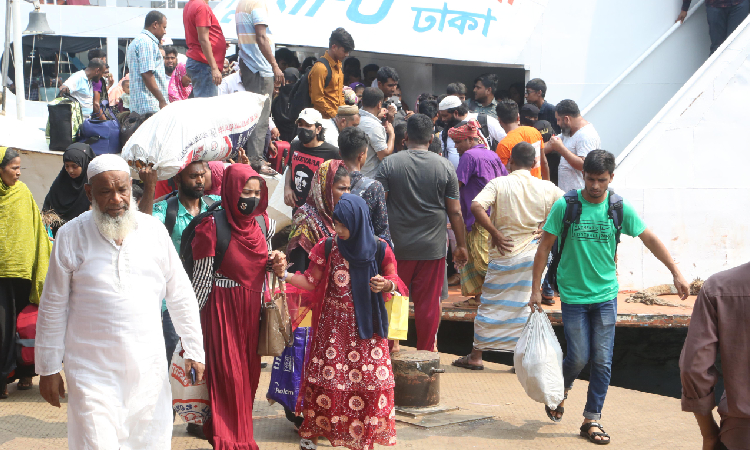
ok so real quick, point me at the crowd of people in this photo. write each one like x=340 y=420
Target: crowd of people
x=385 y=201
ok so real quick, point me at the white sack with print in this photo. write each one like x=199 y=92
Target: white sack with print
x=206 y=129
x=538 y=361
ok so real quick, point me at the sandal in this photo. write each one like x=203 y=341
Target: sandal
x=559 y=409
x=307 y=444
x=549 y=301
x=24 y=384
x=592 y=436
x=464 y=363
x=468 y=303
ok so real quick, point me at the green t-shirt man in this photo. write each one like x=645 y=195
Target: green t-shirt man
x=587 y=272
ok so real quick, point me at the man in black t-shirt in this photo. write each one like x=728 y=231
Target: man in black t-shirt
x=308 y=153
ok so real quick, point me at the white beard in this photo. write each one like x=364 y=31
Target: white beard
x=115 y=228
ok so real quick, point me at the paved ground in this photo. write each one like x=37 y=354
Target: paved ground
x=634 y=419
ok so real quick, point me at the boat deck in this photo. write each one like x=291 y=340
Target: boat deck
x=628 y=314
x=635 y=420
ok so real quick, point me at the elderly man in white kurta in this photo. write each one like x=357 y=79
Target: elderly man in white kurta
x=100 y=315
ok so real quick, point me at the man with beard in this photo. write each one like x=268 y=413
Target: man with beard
x=99 y=312
x=484 y=101
x=80 y=85
x=170 y=59
x=454 y=111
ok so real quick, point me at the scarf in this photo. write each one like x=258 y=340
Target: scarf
x=217 y=175
x=115 y=92
x=66 y=196
x=313 y=221
x=247 y=254
x=176 y=90
x=360 y=251
x=25 y=247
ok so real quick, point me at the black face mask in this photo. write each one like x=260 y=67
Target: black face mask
x=306 y=136
x=248 y=205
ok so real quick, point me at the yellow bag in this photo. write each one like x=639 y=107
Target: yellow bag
x=398 y=317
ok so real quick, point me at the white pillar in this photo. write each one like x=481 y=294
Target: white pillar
x=18 y=59
x=112 y=55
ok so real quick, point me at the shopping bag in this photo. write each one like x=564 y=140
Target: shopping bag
x=398 y=317
x=538 y=361
x=286 y=374
x=275 y=323
x=189 y=401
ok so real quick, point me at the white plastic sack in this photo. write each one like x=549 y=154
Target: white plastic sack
x=277 y=209
x=206 y=129
x=538 y=361
x=189 y=401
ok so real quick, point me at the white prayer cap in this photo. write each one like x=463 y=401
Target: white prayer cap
x=450 y=102
x=107 y=163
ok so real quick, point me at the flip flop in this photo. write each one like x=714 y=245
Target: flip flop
x=23 y=386
x=468 y=303
x=463 y=363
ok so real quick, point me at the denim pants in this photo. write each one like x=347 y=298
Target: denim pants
x=201 y=79
x=722 y=21
x=590 y=333
x=170 y=335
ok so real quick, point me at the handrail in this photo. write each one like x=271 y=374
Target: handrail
x=675 y=98
x=640 y=59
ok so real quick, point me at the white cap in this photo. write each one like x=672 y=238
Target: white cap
x=311 y=116
x=107 y=163
x=450 y=102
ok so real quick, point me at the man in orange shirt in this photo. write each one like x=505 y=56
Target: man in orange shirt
x=327 y=98
x=507 y=115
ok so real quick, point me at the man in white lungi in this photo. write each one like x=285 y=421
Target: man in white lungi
x=100 y=313
x=520 y=204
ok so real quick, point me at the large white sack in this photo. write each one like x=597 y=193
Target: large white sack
x=277 y=209
x=206 y=129
x=538 y=361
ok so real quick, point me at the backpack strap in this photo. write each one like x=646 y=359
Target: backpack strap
x=173 y=206
x=329 y=246
x=208 y=200
x=223 y=236
x=328 y=68
x=615 y=213
x=361 y=186
x=262 y=223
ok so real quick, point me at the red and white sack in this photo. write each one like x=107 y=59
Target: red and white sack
x=189 y=401
x=206 y=129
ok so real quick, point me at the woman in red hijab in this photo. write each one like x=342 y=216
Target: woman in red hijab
x=230 y=301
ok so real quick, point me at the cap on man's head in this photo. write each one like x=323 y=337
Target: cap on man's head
x=106 y=163
x=529 y=109
x=347 y=110
x=545 y=128
x=450 y=102
x=291 y=74
x=311 y=116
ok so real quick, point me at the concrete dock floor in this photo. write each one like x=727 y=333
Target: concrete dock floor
x=635 y=420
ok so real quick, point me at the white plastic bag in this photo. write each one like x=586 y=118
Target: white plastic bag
x=189 y=400
x=538 y=361
x=206 y=129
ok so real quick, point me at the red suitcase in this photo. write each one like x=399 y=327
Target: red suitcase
x=281 y=159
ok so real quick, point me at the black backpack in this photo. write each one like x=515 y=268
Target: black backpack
x=573 y=208
x=223 y=236
x=299 y=97
x=482 y=119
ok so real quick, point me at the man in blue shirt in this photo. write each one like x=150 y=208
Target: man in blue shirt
x=258 y=67
x=148 y=80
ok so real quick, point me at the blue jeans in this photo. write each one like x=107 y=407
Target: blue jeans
x=170 y=335
x=590 y=333
x=201 y=79
x=723 y=21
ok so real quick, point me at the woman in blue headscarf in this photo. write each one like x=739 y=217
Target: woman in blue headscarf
x=348 y=379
